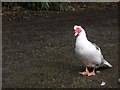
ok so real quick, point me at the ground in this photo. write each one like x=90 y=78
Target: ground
x=38 y=49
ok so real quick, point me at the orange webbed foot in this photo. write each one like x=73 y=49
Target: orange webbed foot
x=87 y=72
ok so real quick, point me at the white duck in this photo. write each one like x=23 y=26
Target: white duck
x=89 y=53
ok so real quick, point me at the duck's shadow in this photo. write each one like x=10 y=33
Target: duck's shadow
x=77 y=68
x=102 y=68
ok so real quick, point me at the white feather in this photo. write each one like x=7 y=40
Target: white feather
x=89 y=53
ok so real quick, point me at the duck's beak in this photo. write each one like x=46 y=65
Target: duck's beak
x=76 y=34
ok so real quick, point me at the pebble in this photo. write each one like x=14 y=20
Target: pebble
x=119 y=80
x=103 y=83
x=98 y=71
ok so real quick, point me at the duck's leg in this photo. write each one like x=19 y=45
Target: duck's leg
x=88 y=73
x=84 y=73
x=92 y=73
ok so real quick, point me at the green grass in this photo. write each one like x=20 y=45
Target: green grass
x=47 y=5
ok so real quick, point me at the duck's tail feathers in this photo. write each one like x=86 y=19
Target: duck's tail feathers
x=105 y=64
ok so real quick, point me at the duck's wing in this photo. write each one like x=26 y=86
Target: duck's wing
x=104 y=63
x=97 y=48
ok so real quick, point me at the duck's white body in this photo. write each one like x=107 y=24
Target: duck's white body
x=89 y=53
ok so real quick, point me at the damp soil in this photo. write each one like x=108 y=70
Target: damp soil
x=38 y=49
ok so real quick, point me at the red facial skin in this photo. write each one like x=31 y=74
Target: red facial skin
x=78 y=30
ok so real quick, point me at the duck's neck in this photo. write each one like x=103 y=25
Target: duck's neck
x=82 y=37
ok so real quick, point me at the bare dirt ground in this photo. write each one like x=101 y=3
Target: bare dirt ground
x=38 y=49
